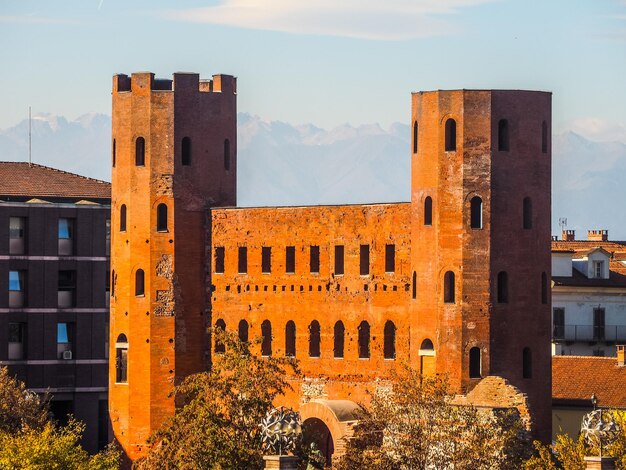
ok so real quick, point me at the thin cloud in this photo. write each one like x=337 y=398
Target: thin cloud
x=365 y=19
x=598 y=129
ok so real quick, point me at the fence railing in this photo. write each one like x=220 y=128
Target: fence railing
x=608 y=333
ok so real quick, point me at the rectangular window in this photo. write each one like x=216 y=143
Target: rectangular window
x=598 y=324
x=242 y=261
x=219 y=259
x=266 y=259
x=290 y=259
x=390 y=258
x=107 y=226
x=65 y=340
x=339 y=260
x=17 y=235
x=66 y=236
x=67 y=289
x=365 y=260
x=598 y=269
x=17 y=341
x=17 y=286
x=314 y=260
x=558 y=323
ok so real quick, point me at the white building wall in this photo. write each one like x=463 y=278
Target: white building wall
x=562 y=264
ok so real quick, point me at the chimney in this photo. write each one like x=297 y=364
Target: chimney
x=621 y=355
x=568 y=235
x=598 y=235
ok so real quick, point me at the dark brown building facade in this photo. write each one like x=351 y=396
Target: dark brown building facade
x=54 y=309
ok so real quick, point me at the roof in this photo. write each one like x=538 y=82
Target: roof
x=576 y=378
x=21 y=181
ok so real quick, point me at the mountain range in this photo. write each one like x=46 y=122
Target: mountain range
x=284 y=164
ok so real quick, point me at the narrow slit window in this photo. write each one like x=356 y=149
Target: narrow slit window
x=364 y=260
x=428 y=211
x=219 y=259
x=528 y=213
x=123 y=218
x=338 y=339
x=448 y=288
x=227 y=155
x=242 y=261
x=503 y=135
x=243 y=331
x=290 y=259
x=290 y=339
x=186 y=151
x=544 y=137
x=266 y=259
x=139 y=283
x=266 y=343
x=503 y=287
x=113 y=153
x=390 y=258
x=121 y=359
x=527 y=363
x=314 y=339
x=140 y=151
x=314 y=261
x=220 y=329
x=475 y=365
x=162 y=218
x=339 y=265
x=450 y=135
x=476 y=212
x=364 y=340
x=414 y=285
x=415 y=137
x=390 y=340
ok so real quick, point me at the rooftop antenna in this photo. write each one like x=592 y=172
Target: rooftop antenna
x=30 y=161
x=562 y=223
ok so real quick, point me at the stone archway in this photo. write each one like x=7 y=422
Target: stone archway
x=329 y=423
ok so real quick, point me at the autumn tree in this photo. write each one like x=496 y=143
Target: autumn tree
x=30 y=440
x=217 y=424
x=412 y=424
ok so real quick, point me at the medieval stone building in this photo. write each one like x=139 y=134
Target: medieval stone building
x=454 y=282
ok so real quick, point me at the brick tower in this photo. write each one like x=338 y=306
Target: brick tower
x=481 y=238
x=174 y=155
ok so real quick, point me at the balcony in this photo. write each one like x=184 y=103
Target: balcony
x=590 y=333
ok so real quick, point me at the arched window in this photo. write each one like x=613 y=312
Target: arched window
x=162 y=218
x=503 y=287
x=544 y=137
x=390 y=340
x=243 y=331
x=414 y=285
x=528 y=213
x=339 y=338
x=448 y=287
x=527 y=363
x=185 y=153
x=364 y=340
x=220 y=328
x=503 y=135
x=226 y=154
x=121 y=359
x=314 y=339
x=427 y=345
x=544 y=288
x=266 y=333
x=139 y=280
x=450 y=135
x=113 y=154
x=475 y=363
x=140 y=151
x=476 y=212
x=415 y=137
x=290 y=339
x=123 y=218
x=428 y=211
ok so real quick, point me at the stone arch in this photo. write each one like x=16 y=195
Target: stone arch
x=339 y=416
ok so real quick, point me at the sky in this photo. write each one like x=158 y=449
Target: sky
x=326 y=62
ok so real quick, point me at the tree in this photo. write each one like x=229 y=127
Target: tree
x=217 y=425
x=29 y=440
x=413 y=425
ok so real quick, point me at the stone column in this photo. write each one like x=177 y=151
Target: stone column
x=599 y=463
x=282 y=462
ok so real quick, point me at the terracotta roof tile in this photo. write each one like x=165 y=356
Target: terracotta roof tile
x=576 y=378
x=19 y=180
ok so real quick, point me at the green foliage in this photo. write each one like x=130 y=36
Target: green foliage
x=217 y=425
x=413 y=425
x=28 y=440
